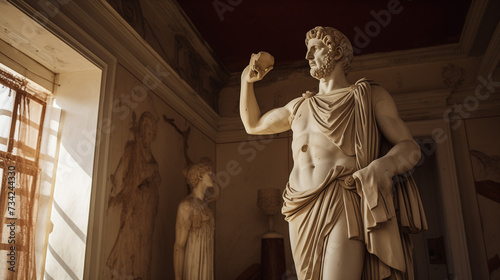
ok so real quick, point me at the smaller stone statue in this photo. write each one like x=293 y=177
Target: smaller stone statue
x=195 y=225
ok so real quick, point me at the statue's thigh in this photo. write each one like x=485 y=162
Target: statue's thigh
x=343 y=257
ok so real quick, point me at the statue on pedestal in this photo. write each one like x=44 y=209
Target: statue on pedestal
x=195 y=225
x=340 y=202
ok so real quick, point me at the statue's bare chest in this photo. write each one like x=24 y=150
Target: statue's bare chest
x=304 y=120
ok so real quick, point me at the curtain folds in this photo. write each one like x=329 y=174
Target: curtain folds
x=22 y=123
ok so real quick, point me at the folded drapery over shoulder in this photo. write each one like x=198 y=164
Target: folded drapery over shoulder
x=390 y=249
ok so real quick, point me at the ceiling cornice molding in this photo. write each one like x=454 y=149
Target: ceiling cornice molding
x=413 y=56
x=108 y=28
x=422 y=105
x=173 y=10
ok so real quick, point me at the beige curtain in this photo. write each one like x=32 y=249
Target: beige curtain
x=22 y=115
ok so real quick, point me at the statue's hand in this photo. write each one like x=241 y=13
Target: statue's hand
x=375 y=175
x=260 y=65
x=254 y=75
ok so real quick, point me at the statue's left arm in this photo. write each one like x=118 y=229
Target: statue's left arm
x=405 y=153
x=182 y=226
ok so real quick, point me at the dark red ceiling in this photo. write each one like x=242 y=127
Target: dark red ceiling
x=279 y=27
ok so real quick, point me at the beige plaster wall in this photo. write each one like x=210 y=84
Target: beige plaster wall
x=77 y=96
x=243 y=168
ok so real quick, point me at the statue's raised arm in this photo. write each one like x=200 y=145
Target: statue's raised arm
x=274 y=121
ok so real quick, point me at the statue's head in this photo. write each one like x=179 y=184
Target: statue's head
x=334 y=39
x=147 y=127
x=196 y=172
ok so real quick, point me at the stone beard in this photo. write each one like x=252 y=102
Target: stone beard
x=325 y=69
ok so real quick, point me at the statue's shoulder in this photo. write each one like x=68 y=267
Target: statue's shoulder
x=293 y=106
x=379 y=93
x=366 y=82
x=294 y=102
x=375 y=90
x=186 y=203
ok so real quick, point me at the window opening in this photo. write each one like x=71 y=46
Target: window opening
x=22 y=112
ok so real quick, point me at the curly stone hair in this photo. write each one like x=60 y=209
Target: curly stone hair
x=196 y=172
x=333 y=39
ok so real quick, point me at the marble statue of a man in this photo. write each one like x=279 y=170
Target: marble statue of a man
x=339 y=198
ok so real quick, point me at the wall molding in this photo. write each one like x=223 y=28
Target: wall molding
x=422 y=105
x=413 y=56
x=172 y=9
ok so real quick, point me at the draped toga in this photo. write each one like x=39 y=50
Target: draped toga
x=195 y=216
x=347 y=119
